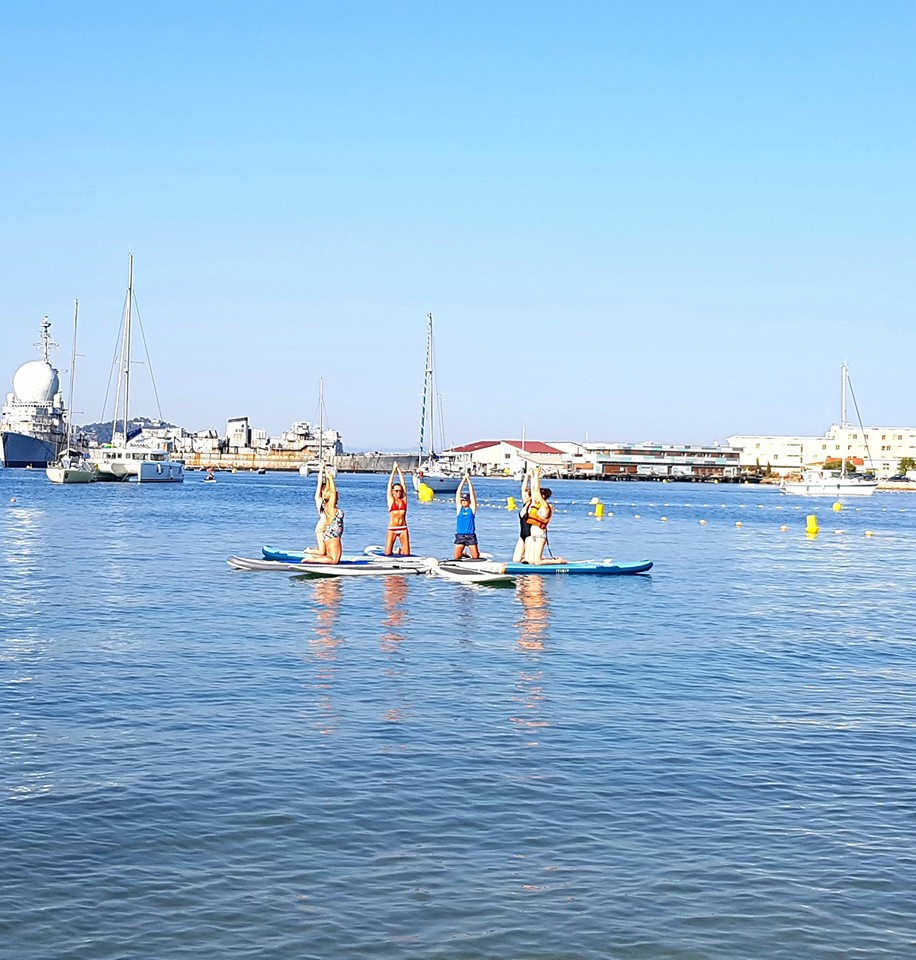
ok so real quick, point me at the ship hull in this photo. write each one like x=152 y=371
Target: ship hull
x=21 y=450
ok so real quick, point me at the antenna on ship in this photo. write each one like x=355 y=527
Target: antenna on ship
x=46 y=342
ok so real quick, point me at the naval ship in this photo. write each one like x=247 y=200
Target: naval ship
x=33 y=427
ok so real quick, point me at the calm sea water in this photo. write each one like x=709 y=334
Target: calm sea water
x=715 y=761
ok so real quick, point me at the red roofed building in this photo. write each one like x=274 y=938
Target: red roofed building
x=508 y=457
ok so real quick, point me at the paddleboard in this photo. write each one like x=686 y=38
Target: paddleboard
x=375 y=550
x=346 y=568
x=248 y=563
x=295 y=556
x=601 y=567
x=463 y=573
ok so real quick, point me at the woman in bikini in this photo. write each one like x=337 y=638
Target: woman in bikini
x=334 y=526
x=321 y=526
x=397 y=515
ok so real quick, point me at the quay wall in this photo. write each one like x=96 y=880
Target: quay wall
x=282 y=460
x=375 y=462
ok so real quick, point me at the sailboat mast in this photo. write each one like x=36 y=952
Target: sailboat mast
x=430 y=366
x=130 y=301
x=843 y=421
x=76 y=313
x=321 y=419
x=427 y=377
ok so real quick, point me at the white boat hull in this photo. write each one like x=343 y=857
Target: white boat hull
x=78 y=474
x=144 y=466
x=437 y=482
x=829 y=487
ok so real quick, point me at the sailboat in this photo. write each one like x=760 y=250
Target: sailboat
x=71 y=466
x=313 y=466
x=818 y=482
x=429 y=470
x=122 y=460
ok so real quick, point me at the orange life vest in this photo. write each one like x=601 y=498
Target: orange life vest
x=534 y=516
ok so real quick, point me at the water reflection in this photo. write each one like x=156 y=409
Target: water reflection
x=393 y=602
x=327 y=593
x=535 y=619
x=534 y=628
x=395 y=709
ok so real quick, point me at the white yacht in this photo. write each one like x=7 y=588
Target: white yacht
x=829 y=483
x=71 y=466
x=430 y=472
x=121 y=460
x=819 y=482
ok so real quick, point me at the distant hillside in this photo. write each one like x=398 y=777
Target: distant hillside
x=101 y=432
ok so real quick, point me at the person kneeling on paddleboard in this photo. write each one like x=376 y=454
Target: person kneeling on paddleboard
x=466 y=522
x=539 y=515
x=334 y=526
x=397 y=515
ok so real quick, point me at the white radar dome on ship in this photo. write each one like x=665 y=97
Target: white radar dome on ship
x=36 y=382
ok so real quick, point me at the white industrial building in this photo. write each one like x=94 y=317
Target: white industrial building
x=873 y=449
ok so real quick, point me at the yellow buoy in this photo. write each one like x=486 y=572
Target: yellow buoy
x=510 y=503
x=425 y=493
x=599 y=509
x=812 y=527
x=738 y=523
x=868 y=533
x=837 y=507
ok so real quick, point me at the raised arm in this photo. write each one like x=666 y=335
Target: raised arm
x=330 y=504
x=536 y=485
x=391 y=476
x=458 y=494
x=319 y=487
x=526 y=483
x=471 y=492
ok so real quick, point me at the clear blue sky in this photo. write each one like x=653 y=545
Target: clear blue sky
x=665 y=221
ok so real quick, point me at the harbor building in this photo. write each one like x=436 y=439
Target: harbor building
x=660 y=461
x=507 y=458
x=875 y=450
x=597 y=460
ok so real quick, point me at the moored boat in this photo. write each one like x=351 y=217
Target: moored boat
x=72 y=466
x=121 y=460
x=429 y=470
x=829 y=483
x=821 y=482
x=32 y=420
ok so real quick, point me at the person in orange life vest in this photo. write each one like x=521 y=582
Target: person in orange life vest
x=539 y=515
x=466 y=520
x=397 y=515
